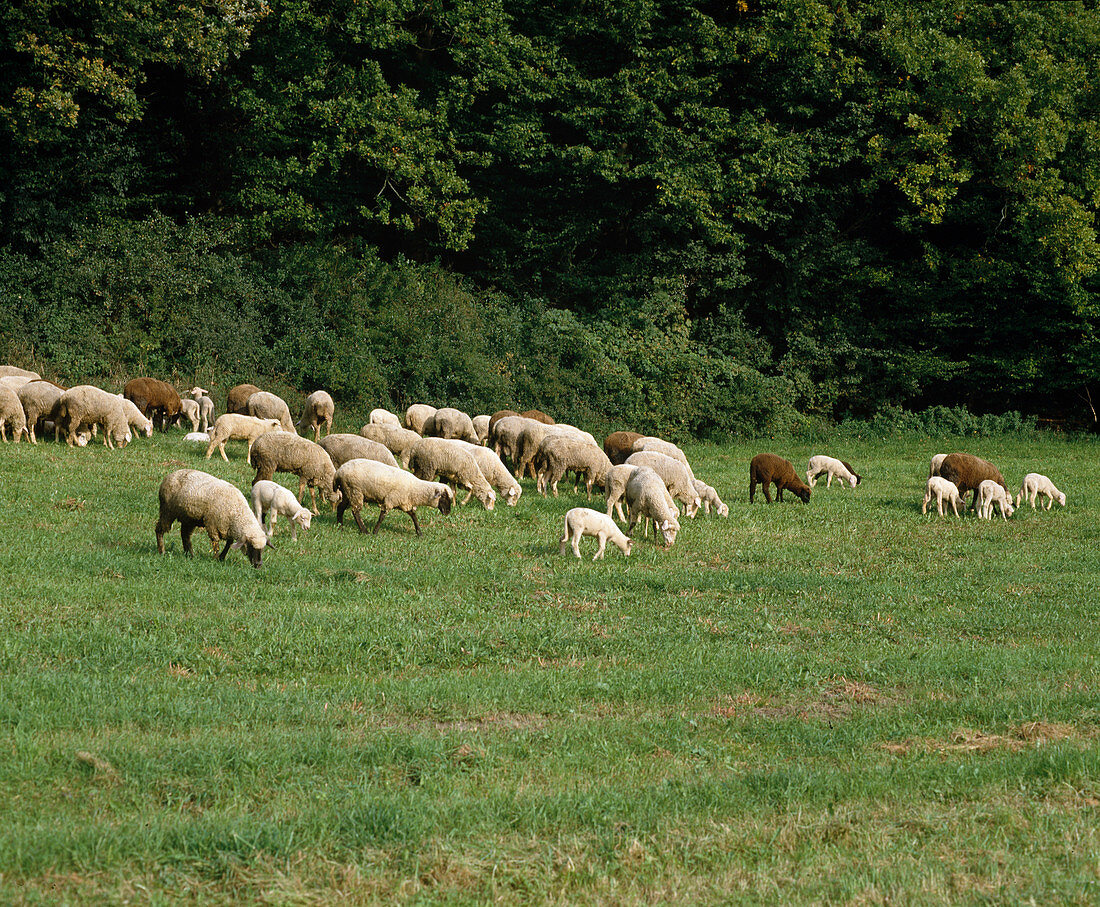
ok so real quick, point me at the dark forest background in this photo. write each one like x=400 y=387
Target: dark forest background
x=681 y=217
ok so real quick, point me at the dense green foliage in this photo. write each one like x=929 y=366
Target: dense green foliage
x=634 y=211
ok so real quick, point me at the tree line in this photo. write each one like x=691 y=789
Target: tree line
x=691 y=217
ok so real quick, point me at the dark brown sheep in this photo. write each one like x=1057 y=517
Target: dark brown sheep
x=236 y=401
x=766 y=468
x=967 y=472
x=619 y=445
x=538 y=416
x=157 y=400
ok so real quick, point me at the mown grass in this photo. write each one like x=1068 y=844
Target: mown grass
x=843 y=702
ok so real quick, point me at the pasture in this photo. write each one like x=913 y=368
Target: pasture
x=842 y=702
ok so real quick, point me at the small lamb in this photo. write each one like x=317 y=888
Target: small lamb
x=272 y=498
x=990 y=493
x=1035 y=484
x=709 y=497
x=835 y=469
x=206 y=407
x=942 y=490
x=583 y=521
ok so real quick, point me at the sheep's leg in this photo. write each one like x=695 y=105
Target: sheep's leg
x=575 y=543
x=416 y=523
x=563 y=541
x=381 y=515
x=752 y=490
x=225 y=550
x=221 y=450
x=187 y=528
x=765 y=487
x=603 y=544
x=162 y=528
x=829 y=481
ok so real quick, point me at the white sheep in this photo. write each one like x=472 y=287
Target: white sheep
x=615 y=487
x=942 y=490
x=383 y=417
x=199 y=500
x=820 y=465
x=481 y=426
x=88 y=406
x=284 y=451
x=581 y=521
x=449 y=422
x=9 y=371
x=400 y=441
x=531 y=437
x=136 y=420
x=273 y=499
x=39 y=400
x=235 y=427
x=197 y=437
x=649 y=442
x=1036 y=484
x=647 y=499
x=440 y=457
x=495 y=472
x=266 y=405
x=317 y=413
x=12 y=415
x=675 y=474
x=368 y=481
x=342 y=447
x=709 y=497
x=990 y=493
x=416 y=415
x=935 y=463
x=192 y=412
x=14 y=382
x=206 y=407
x=560 y=454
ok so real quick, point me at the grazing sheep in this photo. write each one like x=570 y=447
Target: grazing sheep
x=344 y=447
x=559 y=454
x=538 y=416
x=481 y=426
x=383 y=417
x=1035 y=484
x=647 y=499
x=273 y=499
x=835 y=469
x=659 y=445
x=990 y=493
x=39 y=400
x=136 y=420
x=710 y=498
x=236 y=427
x=676 y=476
x=581 y=521
x=368 y=481
x=236 y=401
x=766 y=468
x=449 y=422
x=400 y=441
x=14 y=371
x=206 y=407
x=157 y=400
x=87 y=406
x=934 y=464
x=968 y=472
x=504 y=435
x=939 y=488
x=531 y=437
x=265 y=405
x=284 y=451
x=317 y=414
x=500 y=414
x=416 y=415
x=496 y=474
x=440 y=457
x=619 y=445
x=12 y=415
x=198 y=499
x=190 y=410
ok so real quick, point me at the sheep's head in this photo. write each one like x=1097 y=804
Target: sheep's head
x=1060 y=497
x=722 y=509
x=668 y=529
x=693 y=506
x=804 y=494
x=253 y=545
x=511 y=496
x=444 y=500
x=303 y=517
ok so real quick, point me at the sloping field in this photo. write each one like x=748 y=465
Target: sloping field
x=843 y=702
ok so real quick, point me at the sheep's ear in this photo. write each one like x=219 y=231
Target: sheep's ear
x=269 y=546
x=236 y=546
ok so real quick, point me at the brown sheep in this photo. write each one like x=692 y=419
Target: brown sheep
x=157 y=400
x=236 y=401
x=538 y=416
x=766 y=468
x=619 y=445
x=967 y=472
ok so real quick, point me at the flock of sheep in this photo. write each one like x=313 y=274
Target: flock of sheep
x=425 y=459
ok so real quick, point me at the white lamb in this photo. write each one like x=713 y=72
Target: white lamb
x=990 y=493
x=236 y=427
x=709 y=497
x=1035 y=484
x=942 y=490
x=272 y=498
x=835 y=469
x=935 y=463
x=582 y=521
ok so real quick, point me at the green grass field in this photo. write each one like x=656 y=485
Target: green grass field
x=843 y=702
